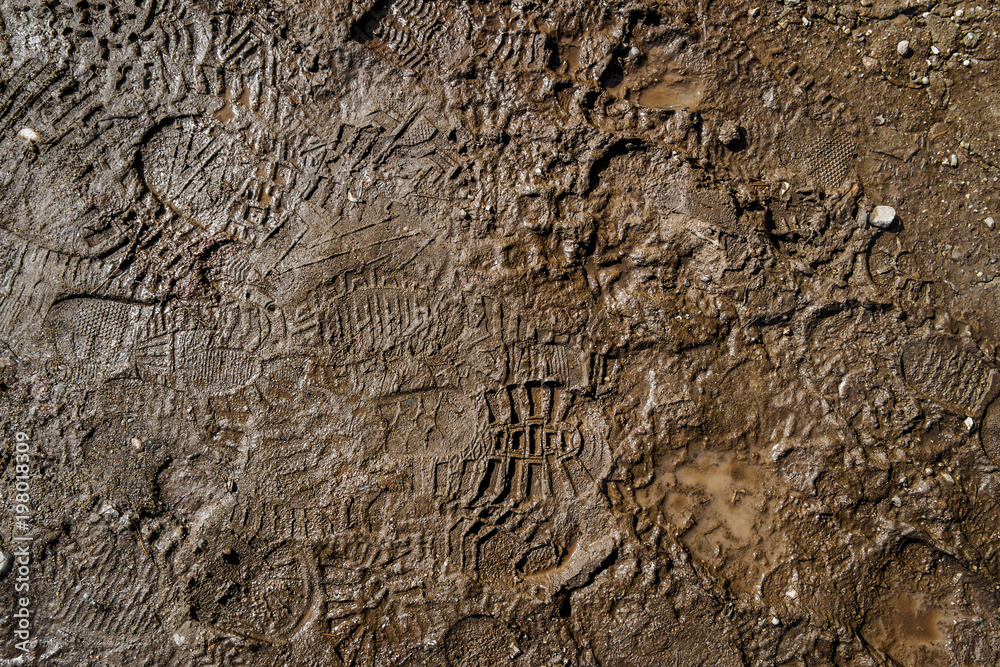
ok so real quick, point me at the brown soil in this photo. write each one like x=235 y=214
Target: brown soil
x=480 y=333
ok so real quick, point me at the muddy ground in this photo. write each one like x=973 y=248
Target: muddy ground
x=487 y=333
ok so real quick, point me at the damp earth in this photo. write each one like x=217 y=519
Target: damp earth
x=455 y=333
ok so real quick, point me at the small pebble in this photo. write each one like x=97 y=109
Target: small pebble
x=935 y=50
x=903 y=48
x=754 y=12
x=883 y=217
x=953 y=160
x=969 y=423
x=990 y=222
x=6 y=561
x=137 y=444
x=28 y=134
x=966 y=63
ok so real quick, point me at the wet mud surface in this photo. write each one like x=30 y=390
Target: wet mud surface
x=480 y=333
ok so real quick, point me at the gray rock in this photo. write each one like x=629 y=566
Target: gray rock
x=903 y=48
x=863 y=211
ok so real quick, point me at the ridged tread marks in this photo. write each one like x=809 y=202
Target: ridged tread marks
x=404 y=33
x=488 y=544
x=792 y=126
x=948 y=370
x=530 y=450
x=108 y=591
x=27 y=85
x=70 y=189
x=514 y=45
x=368 y=323
x=833 y=153
x=32 y=277
x=375 y=587
x=216 y=350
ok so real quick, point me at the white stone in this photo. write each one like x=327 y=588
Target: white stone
x=903 y=48
x=28 y=134
x=969 y=423
x=882 y=217
x=990 y=222
x=935 y=50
